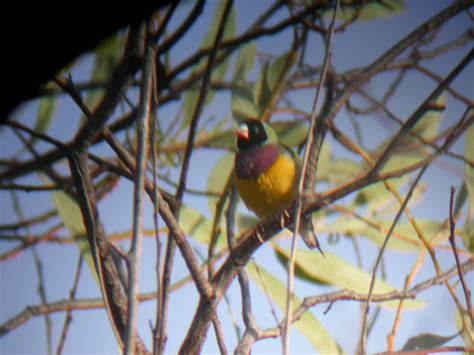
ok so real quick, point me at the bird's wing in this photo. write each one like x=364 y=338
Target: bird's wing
x=290 y=152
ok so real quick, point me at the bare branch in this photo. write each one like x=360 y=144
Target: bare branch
x=72 y=296
x=452 y=241
x=348 y=295
x=423 y=108
x=305 y=182
x=134 y=254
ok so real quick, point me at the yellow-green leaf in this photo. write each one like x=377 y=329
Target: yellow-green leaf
x=335 y=271
x=427 y=341
x=368 y=11
x=245 y=61
x=245 y=221
x=218 y=177
x=196 y=225
x=46 y=108
x=308 y=325
x=242 y=102
x=404 y=237
x=468 y=170
x=467 y=235
x=220 y=70
x=291 y=133
x=278 y=69
x=107 y=56
x=261 y=92
x=70 y=214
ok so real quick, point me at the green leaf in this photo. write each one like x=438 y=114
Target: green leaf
x=336 y=171
x=426 y=341
x=219 y=72
x=401 y=160
x=308 y=325
x=467 y=333
x=222 y=140
x=230 y=26
x=245 y=61
x=269 y=83
x=242 y=102
x=467 y=235
x=189 y=105
x=46 y=108
x=333 y=270
x=461 y=199
x=71 y=215
x=291 y=133
x=245 y=221
x=368 y=11
x=194 y=224
x=261 y=92
x=218 y=177
x=409 y=149
x=468 y=170
x=428 y=125
x=374 y=195
x=107 y=56
x=277 y=70
x=404 y=237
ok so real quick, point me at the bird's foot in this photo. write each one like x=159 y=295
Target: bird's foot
x=284 y=217
x=258 y=236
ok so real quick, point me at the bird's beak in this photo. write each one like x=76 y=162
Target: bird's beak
x=242 y=132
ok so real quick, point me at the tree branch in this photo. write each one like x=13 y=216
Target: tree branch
x=134 y=254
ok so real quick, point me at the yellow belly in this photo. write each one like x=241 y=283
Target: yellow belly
x=272 y=191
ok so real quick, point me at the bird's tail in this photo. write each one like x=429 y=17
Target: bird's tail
x=306 y=230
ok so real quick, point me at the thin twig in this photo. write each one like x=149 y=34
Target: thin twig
x=421 y=139
x=205 y=288
x=41 y=282
x=72 y=296
x=349 y=295
x=379 y=258
x=216 y=223
x=452 y=241
x=42 y=293
x=420 y=111
x=44 y=217
x=30 y=241
x=134 y=254
x=267 y=294
x=84 y=304
x=445 y=349
x=159 y=336
x=408 y=280
x=88 y=304
x=121 y=78
x=249 y=242
x=302 y=187
x=30 y=188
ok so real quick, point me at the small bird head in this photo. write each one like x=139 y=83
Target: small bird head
x=254 y=133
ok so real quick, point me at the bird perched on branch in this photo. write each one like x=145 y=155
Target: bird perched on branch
x=267 y=173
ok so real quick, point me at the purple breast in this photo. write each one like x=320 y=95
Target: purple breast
x=253 y=162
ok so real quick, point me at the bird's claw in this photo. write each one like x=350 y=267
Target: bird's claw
x=283 y=217
x=259 y=238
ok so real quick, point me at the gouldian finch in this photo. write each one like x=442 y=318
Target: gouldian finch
x=267 y=173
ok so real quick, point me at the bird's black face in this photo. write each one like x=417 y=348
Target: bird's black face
x=250 y=134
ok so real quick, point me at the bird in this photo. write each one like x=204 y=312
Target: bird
x=266 y=173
